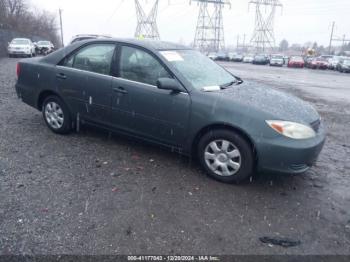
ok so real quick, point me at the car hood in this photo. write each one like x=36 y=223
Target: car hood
x=276 y=104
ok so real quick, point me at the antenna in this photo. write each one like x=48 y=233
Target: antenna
x=210 y=30
x=147 y=24
x=263 y=36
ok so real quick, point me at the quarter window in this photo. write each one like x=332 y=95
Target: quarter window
x=140 y=66
x=93 y=58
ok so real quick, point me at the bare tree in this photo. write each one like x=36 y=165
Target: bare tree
x=20 y=17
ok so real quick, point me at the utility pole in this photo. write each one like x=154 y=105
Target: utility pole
x=263 y=36
x=331 y=39
x=147 y=24
x=237 y=41
x=210 y=29
x=61 y=27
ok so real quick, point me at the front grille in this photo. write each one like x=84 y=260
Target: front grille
x=316 y=125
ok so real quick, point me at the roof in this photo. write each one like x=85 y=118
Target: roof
x=152 y=45
x=146 y=43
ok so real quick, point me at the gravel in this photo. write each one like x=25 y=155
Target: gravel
x=98 y=193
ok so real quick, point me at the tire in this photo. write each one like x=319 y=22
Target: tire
x=244 y=158
x=55 y=109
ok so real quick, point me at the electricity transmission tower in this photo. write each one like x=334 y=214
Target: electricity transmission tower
x=147 y=24
x=210 y=29
x=263 y=36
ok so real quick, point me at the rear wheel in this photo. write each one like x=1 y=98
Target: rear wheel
x=226 y=156
x=56 y=115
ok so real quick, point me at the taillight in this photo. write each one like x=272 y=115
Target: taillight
x=18 y=69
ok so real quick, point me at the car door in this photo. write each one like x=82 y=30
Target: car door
x=84 y=79
x=140 y=107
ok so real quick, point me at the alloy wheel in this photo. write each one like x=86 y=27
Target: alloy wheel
x=223 y=157
x=54 y=115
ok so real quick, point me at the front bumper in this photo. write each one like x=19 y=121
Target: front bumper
x=19 y=52
x=289 y=156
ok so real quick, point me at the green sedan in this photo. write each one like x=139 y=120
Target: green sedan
x=176 y=97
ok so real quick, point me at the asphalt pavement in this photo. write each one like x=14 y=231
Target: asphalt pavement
x=94 y=192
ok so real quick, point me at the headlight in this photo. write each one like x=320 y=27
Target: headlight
x=291 y=129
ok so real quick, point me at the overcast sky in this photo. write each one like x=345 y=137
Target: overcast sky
x=299 y=21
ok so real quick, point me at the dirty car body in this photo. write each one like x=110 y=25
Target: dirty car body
x=174 y=96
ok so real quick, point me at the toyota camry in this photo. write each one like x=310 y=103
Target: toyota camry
x=174 y=96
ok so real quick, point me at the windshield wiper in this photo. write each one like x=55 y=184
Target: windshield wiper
x=238 y=81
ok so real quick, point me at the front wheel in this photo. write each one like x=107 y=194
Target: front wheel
x=56 y=115
x=226 y=156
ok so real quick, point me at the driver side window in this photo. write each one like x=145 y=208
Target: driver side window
x=140 y=66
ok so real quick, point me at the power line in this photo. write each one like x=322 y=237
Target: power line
x=147 y=24
x=263 y=36
x=210 y=30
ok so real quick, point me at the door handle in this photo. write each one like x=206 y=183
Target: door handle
x=120 y=90
x=61 y=76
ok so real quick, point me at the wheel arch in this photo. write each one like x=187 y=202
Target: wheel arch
x=42 y=96
x=223 y=126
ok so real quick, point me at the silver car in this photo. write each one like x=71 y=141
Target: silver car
x=21 y=47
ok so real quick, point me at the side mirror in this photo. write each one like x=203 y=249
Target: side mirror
x=169 y=84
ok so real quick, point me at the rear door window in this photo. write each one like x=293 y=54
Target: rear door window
x=95 y=58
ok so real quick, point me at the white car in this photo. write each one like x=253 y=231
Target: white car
x=213 y=56
x=44 y=47
x=21 y=47
x=276 y=60
x=83 y=37
x=248 y=59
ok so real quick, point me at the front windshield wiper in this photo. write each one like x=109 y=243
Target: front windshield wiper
x=238 y=81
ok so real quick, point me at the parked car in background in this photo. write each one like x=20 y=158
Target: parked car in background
x=319 y=63
x=173 y=89
x=296 y=61
x=327 y=57
x=44 y=47
x=344 y=65
x=276 y=60
x=308 y=61
x=261 y=60
x=248 y=58
x=213 y=56
x=333 y=62
x=222 y=56
x=21 y=47
x=83 y=37
x=237 y=58
x=285 y=60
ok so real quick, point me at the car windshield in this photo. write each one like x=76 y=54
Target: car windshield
x=43 y=43
x=20 y=42
x=277 y=57
x=260 y=57
x=346 y=62
x=199 y=70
